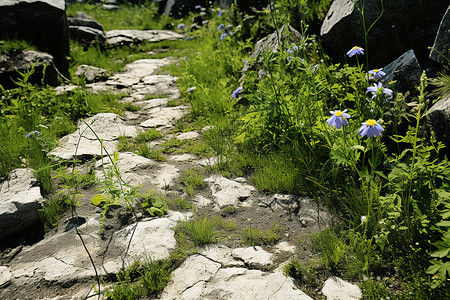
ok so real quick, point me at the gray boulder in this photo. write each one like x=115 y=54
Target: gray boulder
x=20 y=201
x=441 y=46
x=86 y=31
x=22 y=61
x=288 y=36
x=404 y=25
x=91 y=74
x=44 y=23
x=84 y=20
x=438 y=117
x=405 y=70
x=130 y=36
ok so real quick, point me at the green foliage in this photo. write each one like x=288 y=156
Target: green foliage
x=178 y=204
x=143 y=15
x=148 y=135
x=49 y=213
x=125 y=144
x=332 y=250
x=171 y=145
x=200 y=231
x=155 y=206
x=8 y=45
x=301 y=273
x=141 y=279
x=193 y=179
x=145 y=151
x=254 y=237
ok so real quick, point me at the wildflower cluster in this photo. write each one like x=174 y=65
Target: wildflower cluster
x=371 y=127
x=237 y=92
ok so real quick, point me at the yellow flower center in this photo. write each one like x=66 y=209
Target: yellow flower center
x=356 y=47
x=375 y=70
x=338 y=113
x=371 y=122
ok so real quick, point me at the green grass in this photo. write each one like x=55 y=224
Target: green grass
x=129 y=16
x=253 y=236
x=155 y=154
x=8 y=45
x=200 y=231
x=148 y=135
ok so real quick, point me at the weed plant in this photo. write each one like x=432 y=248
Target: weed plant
x=199 y=231
x=253 y=236
x=390 y=189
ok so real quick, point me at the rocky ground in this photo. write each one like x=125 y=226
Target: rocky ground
x=58 y=267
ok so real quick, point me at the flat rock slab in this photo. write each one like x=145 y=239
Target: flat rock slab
x=139 y=171
x=60 y=258
x=152 y=240
x=200 y=277
x=227 y=192
x=5 y=276
x=336 y=288
x=254 y=257
x=114 y=37
x=164 y=116
x=107 y=126
x=20 y=201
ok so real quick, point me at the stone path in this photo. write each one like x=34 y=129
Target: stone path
x=58 y=268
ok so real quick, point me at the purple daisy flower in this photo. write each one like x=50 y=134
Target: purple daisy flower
x=237 y=92
x=338 y=118
x=198 y=7
x=180 y=26
x=355 y=50
x=191 y=89
x=295 y=48
x=377 y=73
x=378 y=88
x=223 y=36
x=28 y=134
x=220 y=27
x=370 y=128
x=220 y=13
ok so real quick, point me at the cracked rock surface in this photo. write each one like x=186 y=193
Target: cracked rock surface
x=58 y=267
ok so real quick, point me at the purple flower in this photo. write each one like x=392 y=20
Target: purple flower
x=35 y=132
x=180 y=26
x=377 y=73
x=378 y=88
x=191 y=89
x=220 y=27
x=338 y=118
x=237 y=92
x=295 y=48
x=223 y=36
x=355 y=50
x=288 y=58
x=198 y=7
x=370 y=128
x=220 y=13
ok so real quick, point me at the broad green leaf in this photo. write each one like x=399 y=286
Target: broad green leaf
x=443 y=223
x=158 y=203
x=433 y=269
x=440 y=253
x=97 y=199
x=153 y=211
